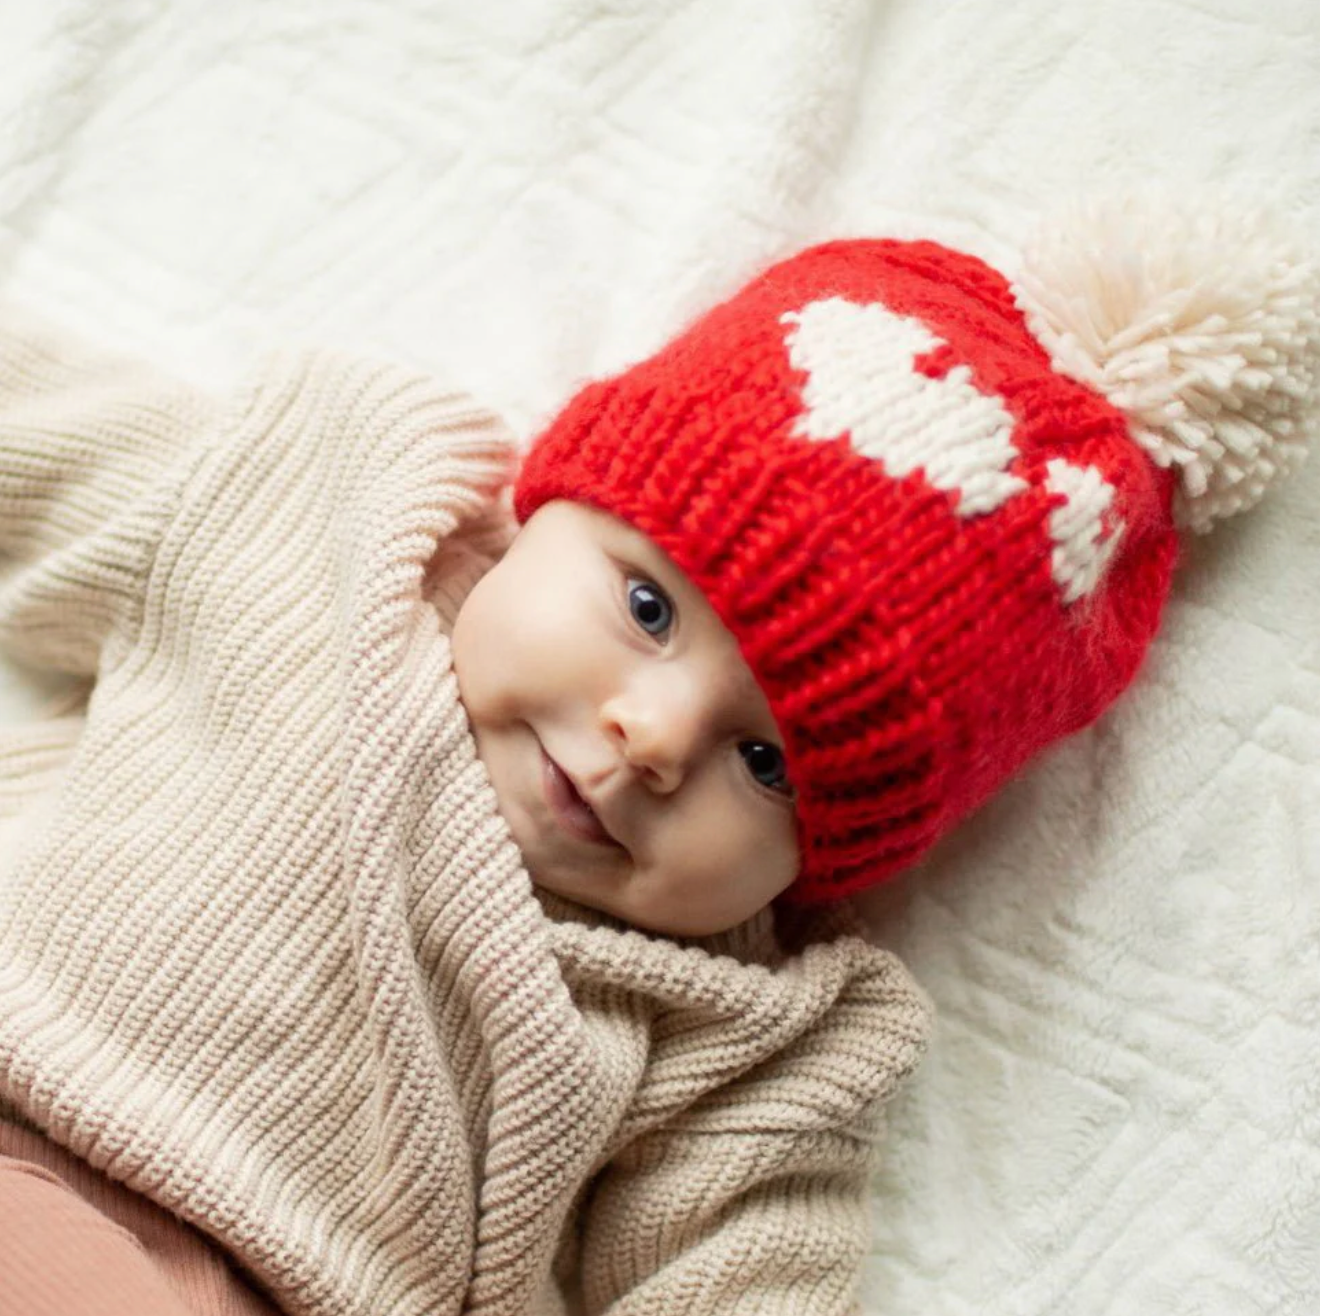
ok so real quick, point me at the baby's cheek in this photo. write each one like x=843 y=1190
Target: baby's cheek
x=738 y=858
x=484 y=652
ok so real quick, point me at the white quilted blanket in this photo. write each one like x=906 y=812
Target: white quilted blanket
x=1121 y=1110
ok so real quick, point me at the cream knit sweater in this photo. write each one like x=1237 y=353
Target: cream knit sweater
x=271 y=957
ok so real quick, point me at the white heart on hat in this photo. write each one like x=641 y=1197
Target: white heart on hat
x=862 y=383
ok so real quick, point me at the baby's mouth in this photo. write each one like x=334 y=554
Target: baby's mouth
x=572 y=812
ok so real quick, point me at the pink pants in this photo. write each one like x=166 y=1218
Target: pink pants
x=75 y=1243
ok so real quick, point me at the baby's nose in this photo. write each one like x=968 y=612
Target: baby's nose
x=660 y=727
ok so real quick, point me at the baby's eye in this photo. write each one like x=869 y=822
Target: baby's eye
x=766 y=763
x=650 y=607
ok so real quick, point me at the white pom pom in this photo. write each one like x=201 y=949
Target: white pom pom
x=1203 y=329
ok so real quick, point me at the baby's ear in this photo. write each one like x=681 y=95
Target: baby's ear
x=1202 y=326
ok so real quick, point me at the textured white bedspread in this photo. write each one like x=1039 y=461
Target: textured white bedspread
x=1121 y=1110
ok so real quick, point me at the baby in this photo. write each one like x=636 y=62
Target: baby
x=442 y=919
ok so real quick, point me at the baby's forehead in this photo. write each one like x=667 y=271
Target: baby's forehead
x=579 y=526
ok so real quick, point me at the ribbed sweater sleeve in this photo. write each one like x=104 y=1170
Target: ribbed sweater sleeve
x=777 y=1225
x=755 y=1199
x=86 y=437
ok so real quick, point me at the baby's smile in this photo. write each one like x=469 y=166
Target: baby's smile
x=571 y=808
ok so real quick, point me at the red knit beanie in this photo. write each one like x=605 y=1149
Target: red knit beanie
x=937 y=552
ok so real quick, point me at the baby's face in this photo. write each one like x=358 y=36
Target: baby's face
x=632 y=753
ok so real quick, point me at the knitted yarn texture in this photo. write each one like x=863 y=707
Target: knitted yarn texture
x=271 y=957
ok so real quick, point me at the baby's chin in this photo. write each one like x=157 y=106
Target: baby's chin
x=626 y=901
